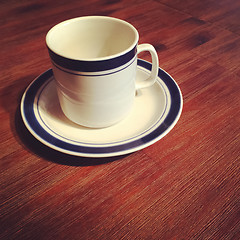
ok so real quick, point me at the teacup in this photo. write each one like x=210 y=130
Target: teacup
x=94 y=62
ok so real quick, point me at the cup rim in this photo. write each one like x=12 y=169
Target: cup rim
x=130 y=48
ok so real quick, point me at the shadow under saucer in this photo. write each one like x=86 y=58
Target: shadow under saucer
x=31 y=143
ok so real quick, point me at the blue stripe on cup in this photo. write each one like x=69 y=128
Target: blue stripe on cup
x=92 y=66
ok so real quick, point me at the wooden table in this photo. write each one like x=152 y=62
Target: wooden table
x=185 y=186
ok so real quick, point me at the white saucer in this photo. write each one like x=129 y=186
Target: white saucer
x=156 y=111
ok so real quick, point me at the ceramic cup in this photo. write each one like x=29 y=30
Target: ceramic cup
x=94 y=63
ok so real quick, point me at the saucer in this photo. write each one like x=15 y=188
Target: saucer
x=155 y=112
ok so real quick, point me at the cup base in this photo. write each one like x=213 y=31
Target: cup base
x=95 y=114
x=94 y=125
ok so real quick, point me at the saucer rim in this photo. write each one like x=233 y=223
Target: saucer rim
x=111 y=151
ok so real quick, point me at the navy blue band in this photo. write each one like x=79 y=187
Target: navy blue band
x=92 y=66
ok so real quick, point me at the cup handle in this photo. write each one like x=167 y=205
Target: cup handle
x=155 y=65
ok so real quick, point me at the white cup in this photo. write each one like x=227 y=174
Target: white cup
x=94 y=63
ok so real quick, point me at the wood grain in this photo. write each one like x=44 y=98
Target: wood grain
x=186 y=186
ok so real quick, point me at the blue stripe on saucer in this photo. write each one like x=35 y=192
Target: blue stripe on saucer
x=28 y=112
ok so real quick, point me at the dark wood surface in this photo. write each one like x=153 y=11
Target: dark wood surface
x=186 y=186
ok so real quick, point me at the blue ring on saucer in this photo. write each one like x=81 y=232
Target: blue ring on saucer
x=92 y=66
x=29 y=115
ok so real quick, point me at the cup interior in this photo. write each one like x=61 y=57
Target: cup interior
x=92 y=38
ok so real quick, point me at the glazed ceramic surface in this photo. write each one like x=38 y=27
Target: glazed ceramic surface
x=94 y=63
x=155 y=112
